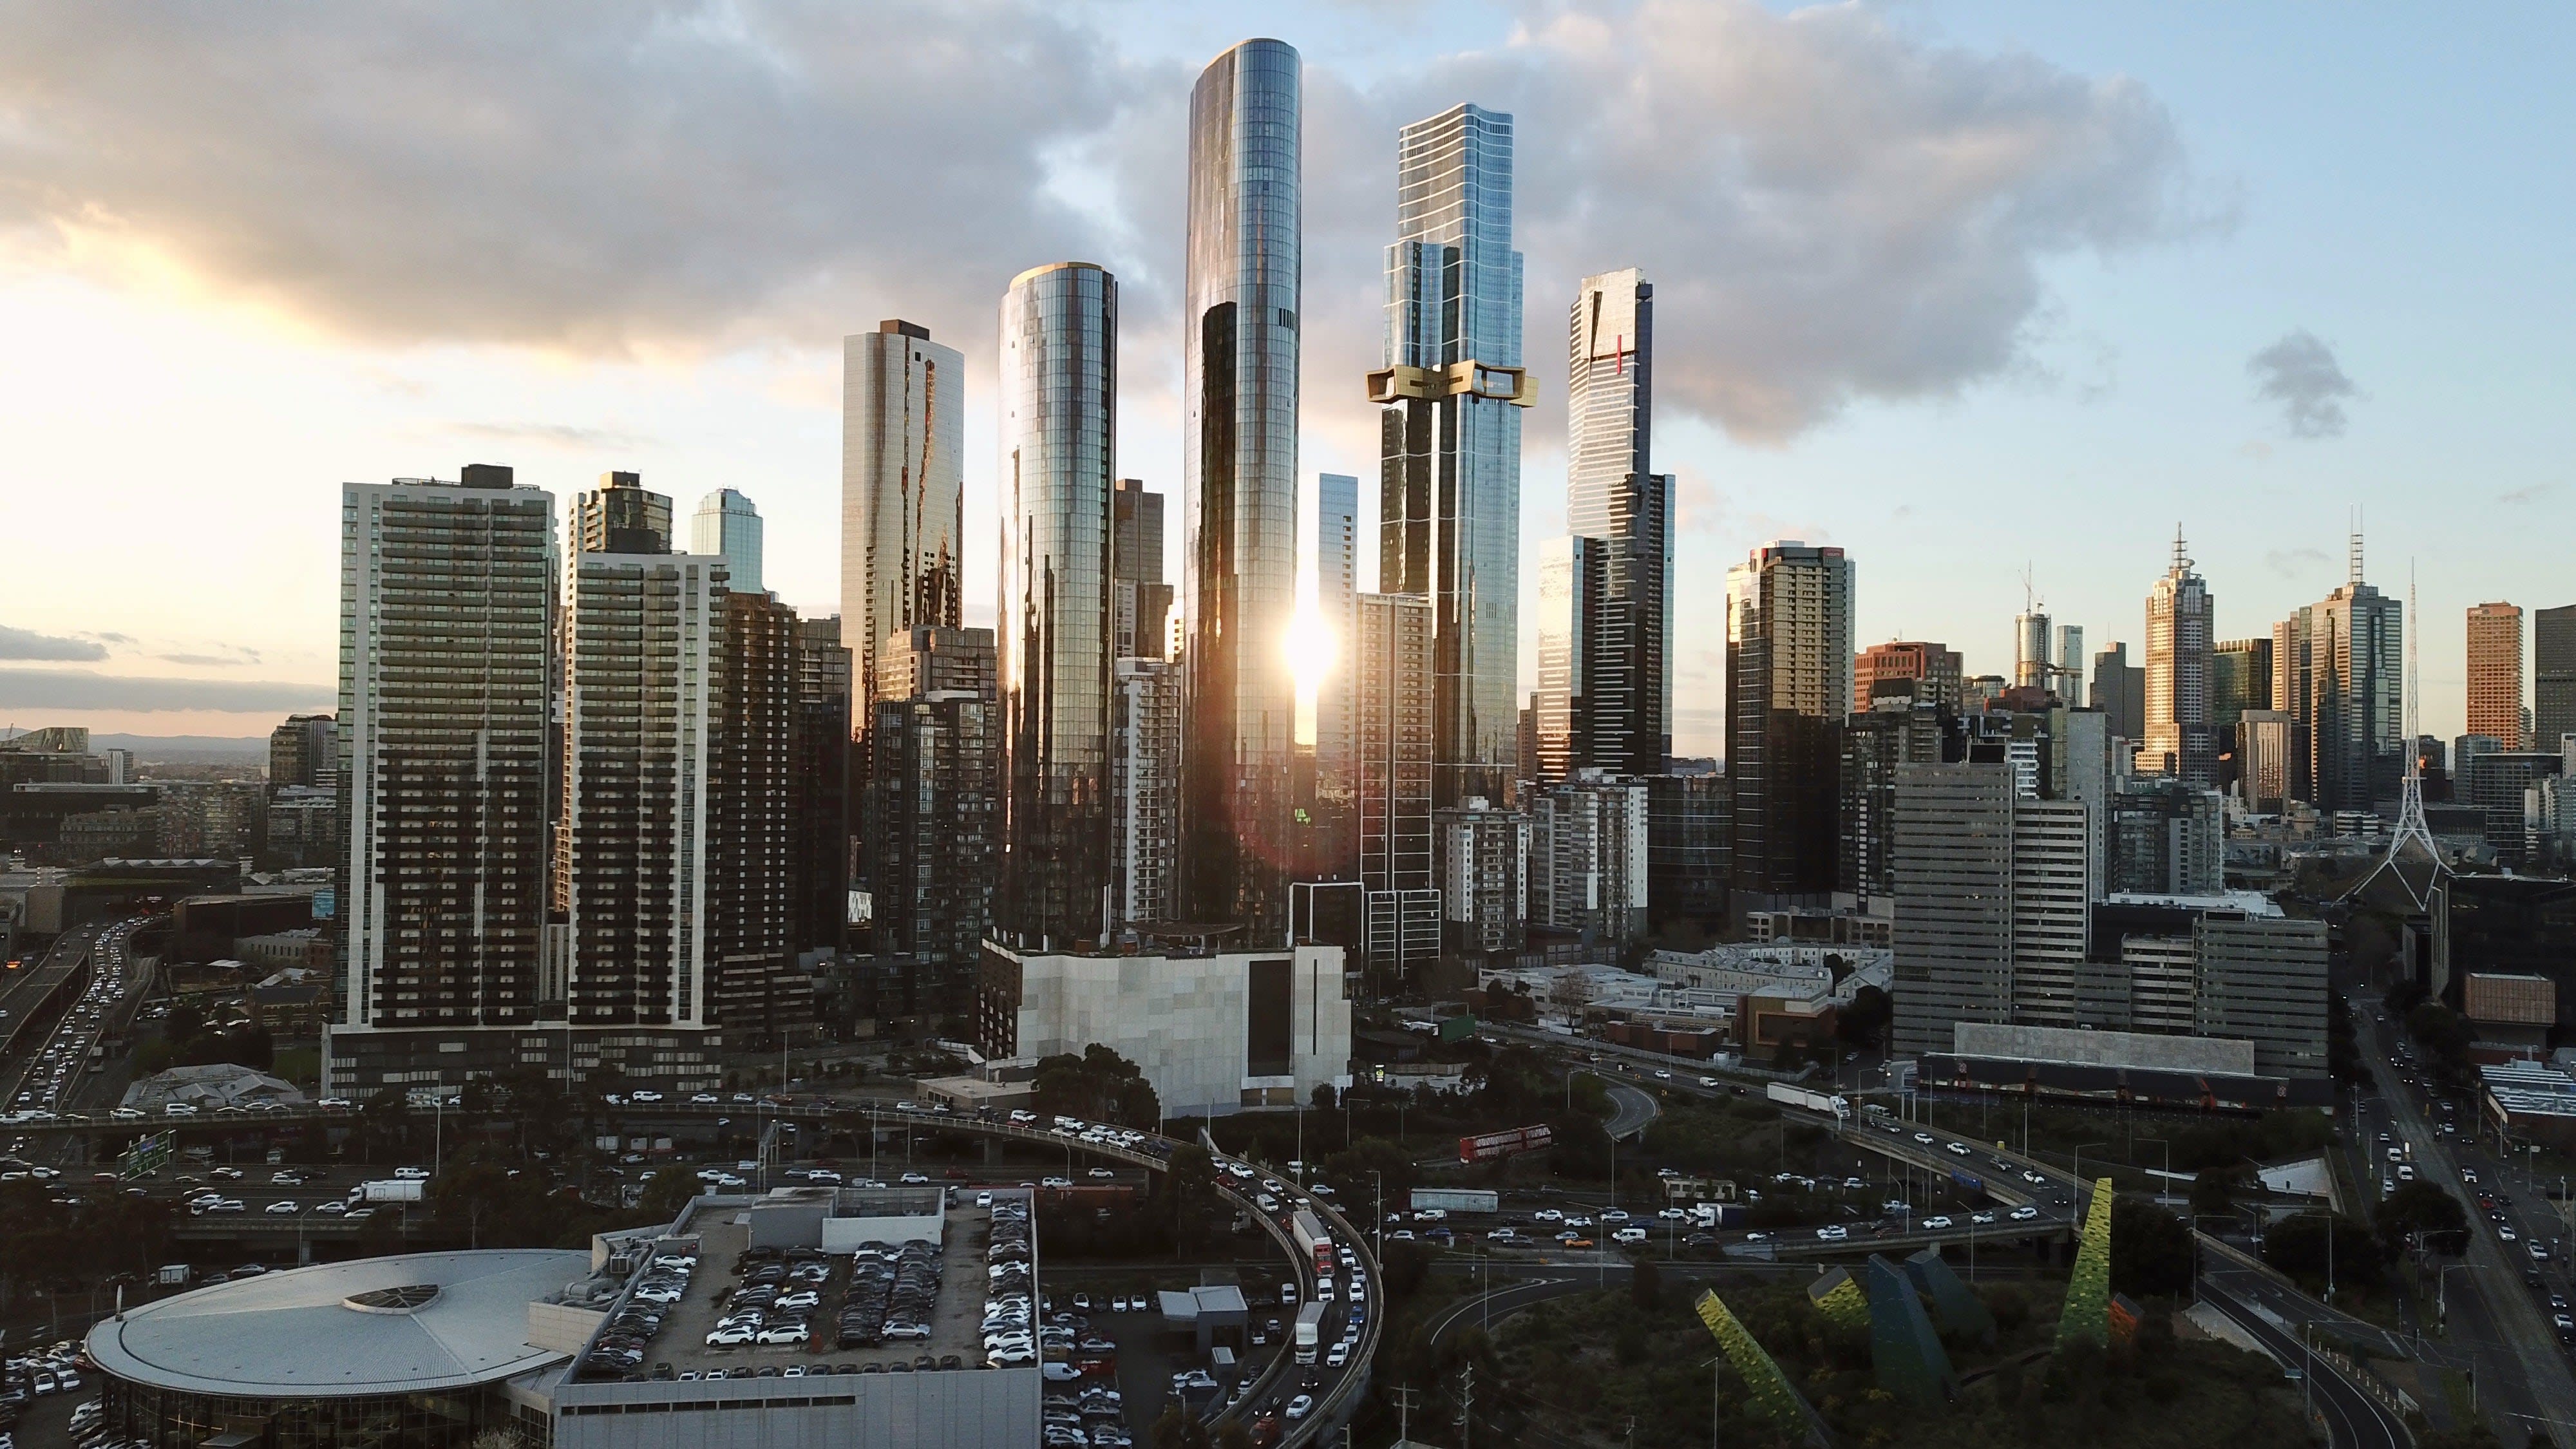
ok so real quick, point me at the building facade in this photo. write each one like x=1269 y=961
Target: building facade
x=1789 y=673
x=1686 y=836
x=1589 y=857
x=1936 y=665
x=2264 y=980
x=1614 y=496
x=755 y=818
x=1395 y=742
x=2495 y=674
x=728 y=525
x=2180 y=739
x=1954 y=908
x=820 y=780
x=933 y=822
x=903 y=442
x=1140 y=602
x=1145 y=789
x=1239 y=483
x=2553 y=677
x=2120 y=692
x=1484 y=851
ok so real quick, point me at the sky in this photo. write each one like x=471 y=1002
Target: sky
x=1969 y=289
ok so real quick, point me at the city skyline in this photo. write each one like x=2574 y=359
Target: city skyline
x=230 y=607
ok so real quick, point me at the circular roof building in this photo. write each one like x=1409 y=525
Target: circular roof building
x=407 y=1350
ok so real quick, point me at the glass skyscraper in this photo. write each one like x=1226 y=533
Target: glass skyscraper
x=1239 y=485
x=726 y=523
x=1451 y=392
x=1056 y=475
x=1613 y=494
x=903 y=439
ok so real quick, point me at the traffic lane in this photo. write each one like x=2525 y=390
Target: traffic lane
x=1633 y=1110
x=2353 y=1419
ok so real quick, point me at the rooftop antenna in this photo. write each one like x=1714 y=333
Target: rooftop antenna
x=2355 y=549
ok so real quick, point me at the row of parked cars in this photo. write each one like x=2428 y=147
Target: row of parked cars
x=894 y=1289
x=1010 y=1327
x=619 y=1349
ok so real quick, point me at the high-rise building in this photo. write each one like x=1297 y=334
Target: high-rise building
x=932 y=822
x=728 y=525
x=935 y=659
x=2263 y=979
x=1789 y=670
x=2031 y=659
x=756 y=993
x=2067 y=676
x=1239 y=481
x=1394 y=742
x=2348 y=688
x=304 y=751
x=2240 y=678
x=1589 y=857
x=1937 y=665
x=821 y=784
x=646 y=661
x=903 y=440
x=2180 y=740
x=1954 y=910
x=1686 y=825
x=1144 y=789
x=2052 y=895
x=2264 y=748
x=2495 y=674
x=1337 y=504
x=1614 y=496
x=1903 y=730
x=621 y=515
x=1450 y=395
x=1140 y=605
x=445 y=595
x=1570 y=581
x=1483 y=849
x=1058 y=466
x=2167 y=838
x=2553 y=677
x=2120 y=692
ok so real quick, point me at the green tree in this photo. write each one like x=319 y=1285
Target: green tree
x=1865 y=1021
x=1582 y=1147
x=2420 y=1207
x=2299 y=1247
x=2151 y=1251
x=1325 y=1098
x=666 y=1192
x=2214 y=1189
x=1645 y=1284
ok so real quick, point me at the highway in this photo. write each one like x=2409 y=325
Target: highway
x=1632 y=1111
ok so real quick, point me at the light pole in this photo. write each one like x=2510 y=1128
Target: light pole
x=2164 y=1183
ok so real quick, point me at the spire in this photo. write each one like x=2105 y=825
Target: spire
x=2356 y=547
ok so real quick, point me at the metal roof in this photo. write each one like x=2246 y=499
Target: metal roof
x=298 y=1334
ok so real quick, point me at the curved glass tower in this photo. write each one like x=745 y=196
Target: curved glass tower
x=1058 y=465
x=1239 y=486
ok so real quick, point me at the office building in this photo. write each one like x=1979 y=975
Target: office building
x=1239 y=477
x=2346 y=685
x=2240 y=678
x=2031 y=658
x=2264 y=749
x=903 y=438
x=2263 y=980
x=1484 y=852
x=2066 y=676
x=1144 y=789
x=1615 y=498
x=2180 y=739
x=621 y=515
x=646 y=665
x=932 y=850
x=1954 y=911
x=1589 y=857
x=305 y=752
x=1450 y=395
x=2495 y=674
x=445 y=593
x=757 y=996
x=2052 y=895
x=726 y=524
x=1936 y=665
x=1395 y=744
x=2553 y=677
x=1570 y=583
x=1331 y=825
x=932 y=659
x=1214 y=1031
x=820 y=781
x=1059 y=372
x=1904 y=730
x=1140 y=604
x=1789 y=670
x=2501 y=783
x=1687 y=815
x=2167 y=838
x=2120 y=692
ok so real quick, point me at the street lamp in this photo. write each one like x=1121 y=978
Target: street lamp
x=2164 y=1183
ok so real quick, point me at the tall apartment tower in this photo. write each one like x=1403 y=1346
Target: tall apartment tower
x=2553 y=677
x=1337 y=522
x=928 y=659
x=446 y=590
x=621 y=515
x=1789 y=676
x=1484 y=849
x=304 y=751
x=1144 y=789
x=2068 y=673
x=2180 y=740
x=727 y=524
x=821 y=784
x=1140 y=604
x=645 y=663
x=2031 y=658
x=1613 y=495
x=1570 y=582
x=1450 y=397
x=2347 y=687
x=933 y=825
x=2120 y=692
x=1937 y=665
x=1057 y=472
x=754 y=824
x=1394 y=742
x=2052 y=893
x=1589 y=857
x=1994 y=893
x=2240 y=678
x=1239 y=485
x=903 y=440
x=2495 y=674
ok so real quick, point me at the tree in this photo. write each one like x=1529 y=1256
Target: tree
x=1582 y=1146
x=1178 y=1429
x=1403 y=1267
x=2214 y=1189
x=1866 y=1020
x=2151 y=1250
x=666 y=1192
x=2419 y=1207
x=1325 y=1098
x=2298 y=1246
x=1645 y=1284
x=1097 y=1086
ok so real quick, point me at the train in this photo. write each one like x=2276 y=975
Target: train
x=1493 y=1145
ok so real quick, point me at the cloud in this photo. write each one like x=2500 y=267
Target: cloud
x=2301 y=374
x=113 y=638
x=1832 y=210
x=86 y=689
x=554 y=435
x=2290 y=563
x=216 y=661
x=28 y=644
x=2521 y=497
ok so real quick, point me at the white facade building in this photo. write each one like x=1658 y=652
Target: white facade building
x=1144 y=788
x=1588 y=857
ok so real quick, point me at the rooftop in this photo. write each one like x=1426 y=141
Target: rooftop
x=406 y=1324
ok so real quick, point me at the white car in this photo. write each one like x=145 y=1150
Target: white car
x=785 y=1333
x=1098 y=1173
x=1833 y=1232
x=1958 y=1149
x=1300 y=1406
x=731 y=1336
x=282 y=1209
x=2024 y=1214
x=644 y=1096
x=412 y=1174
x=1629 y=1235
x=1934 y=1225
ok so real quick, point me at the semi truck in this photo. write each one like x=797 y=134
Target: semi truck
x=1310 y=1332
x=1799 y=1097
x=386 y=1190
x=1457 y=1199
x=1313 y=1240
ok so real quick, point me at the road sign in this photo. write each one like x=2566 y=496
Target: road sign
x=146 y=1156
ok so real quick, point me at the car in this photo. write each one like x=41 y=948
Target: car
x=1100 y=1173
x=332 y=1209
x=731 y=1336
x=1925 y=1138
x=1300 y=1406
x=282 y=1209
x=1981 y=1218
x=2508 y=1235
x=1958 y=1149
x=2024 y=1214
x=1934 y=1225
x=641 y=1095
x=916 y=1179
x=705 y=1099
x=1547 y=1215
x=1503 y=1235
x=412 y=1174
x=1055 y=1182
x=785 y=1333
x=1833 y=1232
x=178 y=1109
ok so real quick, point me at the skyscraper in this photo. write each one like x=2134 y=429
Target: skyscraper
x=1239 y=481
x=1140 y=604
x=2553 y=676
x=2031 y=658
x=1953 y=872
x=2068 y=675
x=1570 y=581
x=1394 y=743
x=1334 y=826
x=1614 y=495
x=621 y=515
x=727 y=524
x=2348 y=688
x=2120 y=692
x=445 y=592
x=1450 y=395
x=1059 y=375
x=755 y=992
x=1789 y=675
x=1589 y=856
x=1144 y=788
x=2179 y=738
x=1937 y=665
x=2240 y=678
x=2495 y=674
x=931 y=823
x=305 y=752
x=903 y=437
x=822 y=784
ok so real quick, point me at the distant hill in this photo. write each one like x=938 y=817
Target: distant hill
x=185 y=749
